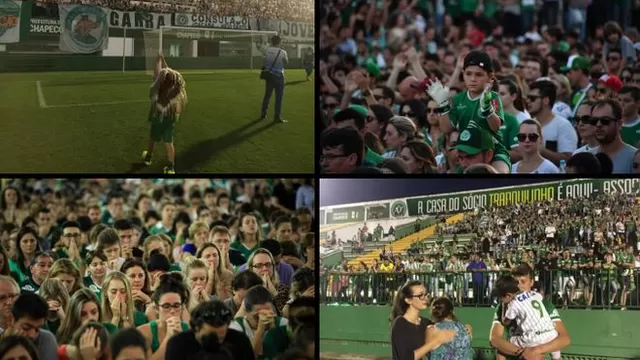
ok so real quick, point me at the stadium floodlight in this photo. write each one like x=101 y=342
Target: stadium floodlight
x=216 y=48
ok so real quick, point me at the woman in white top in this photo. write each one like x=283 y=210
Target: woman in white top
x=399 y=130
x=512 y=101
x=530 y=140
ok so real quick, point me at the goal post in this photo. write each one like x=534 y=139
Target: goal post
x=206 y=48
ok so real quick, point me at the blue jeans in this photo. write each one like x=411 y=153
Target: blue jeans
x=273 y=83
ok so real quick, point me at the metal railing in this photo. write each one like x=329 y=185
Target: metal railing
x=596 y=288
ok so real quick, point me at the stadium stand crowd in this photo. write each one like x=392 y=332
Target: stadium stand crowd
x=584 y=253
x=293 y=10
x=572 y=69
x=195 y=268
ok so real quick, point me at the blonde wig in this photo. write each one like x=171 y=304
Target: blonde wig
x=175 y=99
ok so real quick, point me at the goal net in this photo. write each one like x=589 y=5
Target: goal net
x=206 y=49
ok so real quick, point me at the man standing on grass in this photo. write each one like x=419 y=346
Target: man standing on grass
x=275 y=59
x=168 y=99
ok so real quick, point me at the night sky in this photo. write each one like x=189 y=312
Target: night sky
x=348 y=191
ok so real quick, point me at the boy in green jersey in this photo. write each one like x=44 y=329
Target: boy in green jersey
x=168 y=99
x=477 y=106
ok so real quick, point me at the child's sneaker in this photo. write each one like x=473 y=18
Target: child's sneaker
x=146 y=158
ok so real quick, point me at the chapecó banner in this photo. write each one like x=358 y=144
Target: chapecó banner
x=209 y=21
x=44 y=26
x=482 y=199
x=10 y=21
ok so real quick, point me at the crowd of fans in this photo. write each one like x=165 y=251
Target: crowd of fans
x=196 y=268
x=478 y=87
x=584 y=253
x=294 y=10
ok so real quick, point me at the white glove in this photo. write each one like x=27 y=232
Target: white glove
x=438 y=92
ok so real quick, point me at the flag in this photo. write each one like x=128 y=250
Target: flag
x=10 y=21
x=83 y=29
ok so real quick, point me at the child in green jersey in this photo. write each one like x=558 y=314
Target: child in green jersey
x=478 y=105
x=168 y=99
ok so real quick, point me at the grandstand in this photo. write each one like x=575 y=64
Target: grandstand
x=580 y=237
x=217 y=46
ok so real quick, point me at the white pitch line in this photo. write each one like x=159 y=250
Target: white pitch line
x=41 y=100
x=98 y=104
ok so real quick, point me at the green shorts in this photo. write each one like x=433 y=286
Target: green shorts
x=162 y=128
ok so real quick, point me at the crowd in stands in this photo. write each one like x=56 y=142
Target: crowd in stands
x=584 y=252
x=294 y=10
x=195 y=268
x=479 y=87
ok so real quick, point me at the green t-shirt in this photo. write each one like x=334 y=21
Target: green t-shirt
x=608 y=272
x=14 y=268
x=88 y=282
x=139 y=318
x=575 y=98
x=509 y=131
x=28 y=285
x=276 y=341
x=468 y=6
x=238 y=245
x=565 y=266
x=372 y=158
x=465 y=110
x=631 y=134
x=452 y=8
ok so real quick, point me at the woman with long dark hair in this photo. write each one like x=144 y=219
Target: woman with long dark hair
x=512 y=100
x=409 y=329
x=26 y=248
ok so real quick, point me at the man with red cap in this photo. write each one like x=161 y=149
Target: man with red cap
x=608 y=87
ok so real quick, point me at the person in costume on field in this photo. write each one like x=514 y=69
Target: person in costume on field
x=168 y=95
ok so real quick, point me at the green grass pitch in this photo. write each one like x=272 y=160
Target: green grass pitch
x=78 y=122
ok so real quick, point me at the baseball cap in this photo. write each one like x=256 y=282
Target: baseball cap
x=360 y=109
x=372 y=68
x=478 y=58
x=577 y=63
x=611 y=81
x=474 y=140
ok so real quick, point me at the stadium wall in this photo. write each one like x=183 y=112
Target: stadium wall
x=469 y=201
x=39 y=63
x=595 y=334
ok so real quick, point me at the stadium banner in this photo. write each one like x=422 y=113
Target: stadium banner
x=10 y=16
x=209 y=21
x=290 y=31
x=84 y=29
x=378 y=212
x=44 y=26
x=139 y=20
x=136 y=20
x=472 y=200
x=346 y=215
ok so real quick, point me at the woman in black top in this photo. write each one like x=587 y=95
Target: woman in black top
x=409 y=329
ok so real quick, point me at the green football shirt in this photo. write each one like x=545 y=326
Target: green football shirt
x=509 y=131
x=631 y=133
x=465 y=110
x=238 y=245
x=97 y=289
